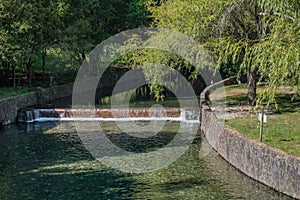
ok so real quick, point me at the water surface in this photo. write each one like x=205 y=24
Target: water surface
x=48 y=161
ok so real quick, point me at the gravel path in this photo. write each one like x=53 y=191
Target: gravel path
x=231 y=112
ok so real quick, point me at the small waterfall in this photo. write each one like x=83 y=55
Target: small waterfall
x=190 y=115
x=63 y=114
x=27 y=116
x=157 y=113
x=125 y=113
x=41 y=115
x=36 y=113
x=182 y=114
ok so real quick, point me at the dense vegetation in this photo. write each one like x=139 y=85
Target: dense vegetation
x=256 y=38
x=39 y=38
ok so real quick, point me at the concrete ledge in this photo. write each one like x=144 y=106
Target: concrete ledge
x=267 y=165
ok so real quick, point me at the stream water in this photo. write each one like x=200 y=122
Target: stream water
x=48 y=161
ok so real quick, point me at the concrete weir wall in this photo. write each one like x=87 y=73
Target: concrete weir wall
x=267 y=165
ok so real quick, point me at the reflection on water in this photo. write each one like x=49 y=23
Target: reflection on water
x=48 y=161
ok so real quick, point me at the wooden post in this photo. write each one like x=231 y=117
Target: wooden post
x=261 y=125
x=51 y=80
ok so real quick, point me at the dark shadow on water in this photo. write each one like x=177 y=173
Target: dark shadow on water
x=184 y=184
x=67 y=184
x=36 y=163
x=141 y=145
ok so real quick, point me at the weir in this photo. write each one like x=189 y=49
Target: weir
x=97 y=114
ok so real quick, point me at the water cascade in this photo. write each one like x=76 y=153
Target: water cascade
x=170 y=114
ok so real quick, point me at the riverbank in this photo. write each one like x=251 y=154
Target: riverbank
x=259 y=161
x=282 y=129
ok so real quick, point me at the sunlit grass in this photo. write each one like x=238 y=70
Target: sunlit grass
x=11 y=91
x=282 y=130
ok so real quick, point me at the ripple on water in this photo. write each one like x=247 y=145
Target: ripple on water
x=48 y=161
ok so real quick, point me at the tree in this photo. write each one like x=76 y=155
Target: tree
x=273 y=53
x=278 y=55
x=137 y=14
x=196 y=19
x=255 y=34
x=28 y=28
x=240 y=28
x=66 y=29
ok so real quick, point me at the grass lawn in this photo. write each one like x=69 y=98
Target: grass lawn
x=10 y=91
x=282 y=129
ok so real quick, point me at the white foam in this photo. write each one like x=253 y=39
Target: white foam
x=35 y=116
x=178 y=119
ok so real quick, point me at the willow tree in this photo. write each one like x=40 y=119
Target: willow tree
x=197 y=19
x=277 y=55
x=194 y=18
x=264 y=42
x=262 y=37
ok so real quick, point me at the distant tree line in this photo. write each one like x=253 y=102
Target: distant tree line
x=44 y=36
x=256 y=38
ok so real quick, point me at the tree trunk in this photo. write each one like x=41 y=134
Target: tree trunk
x=29 y=72
x=252 y=80
x=2 y=74
x=44 y=54
x=14 y=73
x=5 y=73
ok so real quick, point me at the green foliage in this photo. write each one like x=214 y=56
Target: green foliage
x=10 y=91
x=241 y=35
x=137 y=14
x=42 y=96
x=55 y=36
x=194 y=18
x=275 y=50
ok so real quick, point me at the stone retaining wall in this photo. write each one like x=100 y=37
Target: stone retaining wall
x=58 y=92
x=9 y=107
x=267 y=165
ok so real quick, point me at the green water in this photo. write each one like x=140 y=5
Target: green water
x=48 y=161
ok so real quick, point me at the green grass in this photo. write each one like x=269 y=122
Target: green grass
x=10 y=91
x=282 y=130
